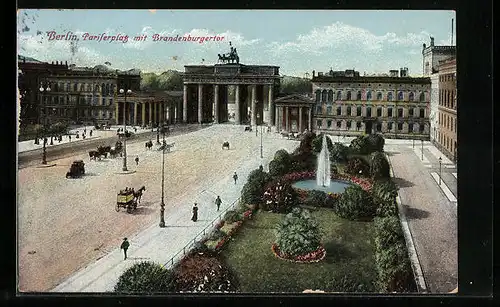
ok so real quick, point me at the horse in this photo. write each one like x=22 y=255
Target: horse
x=248 y=128
x=112 y=153
x=93 y=154
x=225 y=145
x=149 y=144
x=138 y=194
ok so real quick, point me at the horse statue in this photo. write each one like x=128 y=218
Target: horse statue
x=231 y=57
x=138 y=194
x=225 y=145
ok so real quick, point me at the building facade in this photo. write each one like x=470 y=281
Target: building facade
x=447 y=110
x=294 y=113
x=431 y=56
x=349 y=104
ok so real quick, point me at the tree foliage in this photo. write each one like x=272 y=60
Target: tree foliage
x=253 y=189
x=379 y=166
x=279 y=197
x=339 y=152
x=170 y=80
x=366 y=144
x=295 y=85
x=144 y=277
x=384 y=193
x=357 y=166
x=355 y=203
x=298 y=233
x=317 y=143
x=281 y=164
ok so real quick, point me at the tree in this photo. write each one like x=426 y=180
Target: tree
x=298 y=233
x=355 y=203
x=379 y=168
x=358 y=167
x=376 y=142
x=281 y=163
x=339 y=152
x=384 y=193
x=317 y=143
x=295 y=85
x=254 y=187
x=280 y=197
x=144 y=277
x=360 y=145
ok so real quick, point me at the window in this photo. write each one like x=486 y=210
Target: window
x=329 y=110
x=379 y=127
x=349 y=111
x=379 y=112
x=358 y=95
x=318 y=95
x=411 y=96
x=389 y=112
x=339 y=95
x=103 y=89
x=400 y=126
x=422 y=112
x=389 y=96
x=324 y=95
x=369 y=95
x=103 y=101
x=75 y=87
x=339 y=124
x=348 y=95
x=421 y=128
x=318 y=123
x=422 y=97
x=348 y=124
x=400 y=96
x=379 y=96
x=410 y=127
x=68 y=87
x=339 y=111
x=330 y=96
x=358 y=125
x=358 y=111
x=400 y=112
x=107 y=90
x=318 y=109
x=389 y=126
x=110 y=101
x=329 y=124
x=410 y=112
x=369 y=111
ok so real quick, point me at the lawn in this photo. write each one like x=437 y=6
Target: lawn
x=349 y=246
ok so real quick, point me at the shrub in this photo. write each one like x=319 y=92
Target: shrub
x=355 y=203
x=387 y=232
x=298 y=233
x=360 y=145
x=379 y=166
x=317 y=143
x=375 y=142
x=338 y=153
x=232 y=216
x=281 y=164
x=216 y=234
x=318 y=199
x=348 y=283
x=357 y=166
x=280 y=197
x=201 y=273
x=144 y=277
x=394 y=273
x=305 y=146
x=384 y=194
x=254 y=187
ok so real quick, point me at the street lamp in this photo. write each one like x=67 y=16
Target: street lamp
x=440 y=160
x=125 y=92
x=44 y=154
x=261 y=154
x=422 y=150
x=162 y=205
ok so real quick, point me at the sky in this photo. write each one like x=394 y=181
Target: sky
x=297 y=41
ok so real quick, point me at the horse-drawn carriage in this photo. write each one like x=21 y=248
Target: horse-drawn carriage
x=225 y=145
x=126 y=199
x=166 y=147
x=76 y=170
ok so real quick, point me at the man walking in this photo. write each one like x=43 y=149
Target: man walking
x=195 y=213
x=137 y=160
x=218 y=201
x=124 y=246
x=235 y=177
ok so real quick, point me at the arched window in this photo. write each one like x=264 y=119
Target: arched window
x=369 y=95
x=427 y=67
x=75 y=87
x=318 y=95
x=379 y=96
x=389 y=96
x=349 y=111
x=400 y=96
x=103 y=88
x=68 y=87
x=107 y=90
x=358 y=95
x=339 y=95
x=422 y=97
x=324 y=95
x=411 y=96
x=348 y=95
x=330 y=96
x=369 y=111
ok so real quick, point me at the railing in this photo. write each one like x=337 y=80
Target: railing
x=170 y=262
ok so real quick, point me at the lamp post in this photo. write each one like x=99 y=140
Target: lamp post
x=422 y=150
x=158 y=135
x=256 y=127
x=125 y=92
x=162 y=205
x=440 y=160
x=44 y=152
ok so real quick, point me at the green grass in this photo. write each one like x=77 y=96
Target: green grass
x=349 y=246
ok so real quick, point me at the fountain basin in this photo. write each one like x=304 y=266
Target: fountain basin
x=336 y=186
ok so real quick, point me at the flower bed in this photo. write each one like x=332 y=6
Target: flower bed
x=297 y=176
x=315 y=256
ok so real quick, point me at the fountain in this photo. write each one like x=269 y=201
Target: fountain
x=323 y=169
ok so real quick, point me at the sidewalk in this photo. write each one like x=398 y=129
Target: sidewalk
x=161 y=244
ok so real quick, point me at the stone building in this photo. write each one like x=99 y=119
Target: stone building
x=349 y=104
x=447 y=110
x=230 y=92
x=431 y=55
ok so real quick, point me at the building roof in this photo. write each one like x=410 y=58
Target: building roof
x=21 y=58
x=372 y=79
x=294 y=99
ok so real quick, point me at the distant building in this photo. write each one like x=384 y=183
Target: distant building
x=447 y=110
x=349 y=104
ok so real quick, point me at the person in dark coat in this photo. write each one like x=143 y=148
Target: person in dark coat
x=218 y=201
x=195 y=213
x=90 y=132
x=137 y=160
x=124 y=246
x=235 y=177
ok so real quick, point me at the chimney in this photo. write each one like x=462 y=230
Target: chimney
x=66 y=63
x=432 y=41
x=424 y=45
x=52 y=63
x=314 y=73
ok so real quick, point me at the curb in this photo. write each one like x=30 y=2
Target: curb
x=55 y=145
x=125 y=172
x=410 y=245
x=46 y=165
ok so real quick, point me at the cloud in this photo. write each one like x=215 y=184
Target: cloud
x=447 y=42
x=343 y=36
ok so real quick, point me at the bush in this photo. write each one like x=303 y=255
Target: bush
x=281 y=164
x=379 y=168
x=319 y=199
x=216 y=234
x=387 y=232
x=317 y=143
x=305 y=146
x=360 y=145
x=254 y=187
x=376 y=142
x=280 y=197
x=298 y=233
x=144 y=277
x=358 y=167
x=201 y=273
x=349 y=283
x=384 y=193
x=232 y=216
x=355 y=203
x=339 y=153
x=394 y=273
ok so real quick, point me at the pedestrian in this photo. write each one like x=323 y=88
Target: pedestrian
x=124 y=246
x=90 y=132
x=195 y=213
x=137 y=160
x=218 y=201
x=235 y=177
x=135 y=129
x=69 y=136
x=84 y=131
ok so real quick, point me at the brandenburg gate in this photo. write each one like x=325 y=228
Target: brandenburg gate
x=230 y=92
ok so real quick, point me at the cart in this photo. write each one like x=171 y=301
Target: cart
x=76 y=170
x=126 y=199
